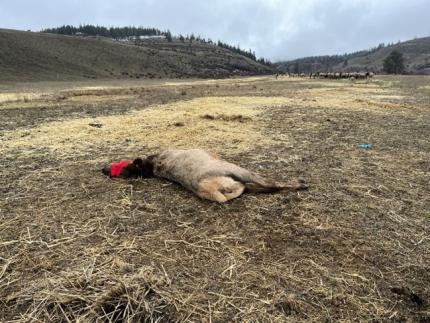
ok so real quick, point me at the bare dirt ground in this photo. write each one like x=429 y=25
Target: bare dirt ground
x=76 y=246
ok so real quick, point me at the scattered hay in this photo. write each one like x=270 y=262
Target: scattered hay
x=18 y=97
x=223 y=117
x=241 y=80
x=361 y=98
x=150 y=128
x=99 y=296
x=85 y=97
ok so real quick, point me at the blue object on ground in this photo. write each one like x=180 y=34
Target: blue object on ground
x=365 y=146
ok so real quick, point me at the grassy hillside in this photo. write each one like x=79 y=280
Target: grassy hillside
x=416 y=53
x=28 y=56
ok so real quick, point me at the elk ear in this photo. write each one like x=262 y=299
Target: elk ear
x=138 y=162
x=148 y=168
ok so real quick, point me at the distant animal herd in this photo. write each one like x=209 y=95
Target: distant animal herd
x=340 y=75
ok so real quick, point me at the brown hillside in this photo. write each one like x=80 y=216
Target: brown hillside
x=416 y=53
x=28 y=56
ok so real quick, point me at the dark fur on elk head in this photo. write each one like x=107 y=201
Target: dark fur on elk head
x=138 y=168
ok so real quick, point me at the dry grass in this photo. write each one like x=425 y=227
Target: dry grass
x=76 y=246
x=18 y=97
x=144 y=127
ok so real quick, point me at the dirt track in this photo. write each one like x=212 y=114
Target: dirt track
x=355 y=246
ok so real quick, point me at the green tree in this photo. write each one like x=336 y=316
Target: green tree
x=394 y=63
x=169 y=36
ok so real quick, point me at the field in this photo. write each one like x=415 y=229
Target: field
x=77 y=246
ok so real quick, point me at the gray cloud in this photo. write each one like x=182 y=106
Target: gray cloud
x=273 y=28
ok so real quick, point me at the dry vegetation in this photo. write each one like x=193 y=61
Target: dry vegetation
x=76 y=246
x=33 y=56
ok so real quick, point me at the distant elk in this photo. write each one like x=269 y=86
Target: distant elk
x=337 y=75
x=340 y=75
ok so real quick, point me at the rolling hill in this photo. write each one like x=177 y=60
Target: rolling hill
x=31 y=56
x=416 y=53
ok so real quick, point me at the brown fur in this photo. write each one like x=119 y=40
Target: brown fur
x=210 y=177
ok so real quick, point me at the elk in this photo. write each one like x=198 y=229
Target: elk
x=203 y=173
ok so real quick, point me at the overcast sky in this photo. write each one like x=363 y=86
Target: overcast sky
x=275 y=29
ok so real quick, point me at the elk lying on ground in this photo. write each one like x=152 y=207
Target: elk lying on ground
x=201 y=172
